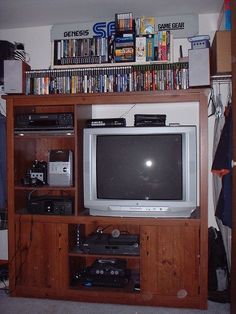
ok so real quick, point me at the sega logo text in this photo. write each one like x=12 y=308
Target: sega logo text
x=104 y=29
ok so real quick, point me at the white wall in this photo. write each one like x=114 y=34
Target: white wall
x=37 y=45
x=36 y=41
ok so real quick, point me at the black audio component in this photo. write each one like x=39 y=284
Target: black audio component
x=104 y=243
x=50 y=205
x=37 y=174
x=149 y=120
x=108 y=281
x=109 y=267
x=105 y=273
x=44 y=121
x=113 y=122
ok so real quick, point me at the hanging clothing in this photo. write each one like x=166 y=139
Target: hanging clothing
x=3 y=162
x=222 y=167
x=218 y=111
x=218 y=127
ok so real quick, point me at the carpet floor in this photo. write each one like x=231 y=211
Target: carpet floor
x=13 y=305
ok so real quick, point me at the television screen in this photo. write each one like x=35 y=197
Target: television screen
x=140 y=171
x=143 y=167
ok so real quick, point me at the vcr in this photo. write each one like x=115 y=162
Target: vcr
x=104 y=243
x=44 y=121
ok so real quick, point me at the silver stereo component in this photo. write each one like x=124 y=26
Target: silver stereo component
x=60 y=168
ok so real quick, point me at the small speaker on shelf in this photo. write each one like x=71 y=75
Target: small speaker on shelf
x=14 y=76
x=199 y=67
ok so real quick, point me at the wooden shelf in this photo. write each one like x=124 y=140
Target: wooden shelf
x=81 y=219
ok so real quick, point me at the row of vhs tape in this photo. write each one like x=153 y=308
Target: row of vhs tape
x=153 y=77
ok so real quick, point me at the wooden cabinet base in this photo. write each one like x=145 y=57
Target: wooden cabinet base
x=115 y=297
x=171 y=267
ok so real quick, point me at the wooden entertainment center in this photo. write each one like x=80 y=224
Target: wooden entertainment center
x=43 y=260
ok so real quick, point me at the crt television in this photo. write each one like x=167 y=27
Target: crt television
x=140 y=171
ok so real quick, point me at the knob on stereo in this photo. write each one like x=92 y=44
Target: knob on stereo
x=115 y=233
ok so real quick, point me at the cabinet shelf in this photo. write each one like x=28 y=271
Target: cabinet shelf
x=78 y=219
x=102 y=291
x=107 y=65
x=105 y=256
x=44 y=188
x=38 y=134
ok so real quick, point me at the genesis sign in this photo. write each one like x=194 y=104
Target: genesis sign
x=82 y=30
x=180 y=26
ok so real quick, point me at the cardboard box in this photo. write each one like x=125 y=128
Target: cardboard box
x=221 y=53
x=140 y=49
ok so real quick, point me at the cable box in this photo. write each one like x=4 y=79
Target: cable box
x=113 y=122
x=149 y=120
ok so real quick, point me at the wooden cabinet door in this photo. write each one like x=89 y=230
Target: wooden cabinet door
x=170 y=260
x=40 y=255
